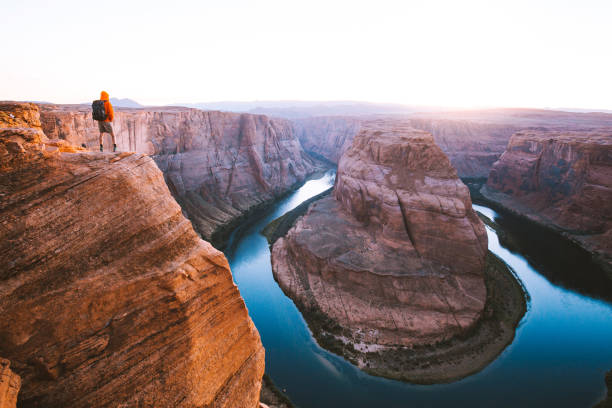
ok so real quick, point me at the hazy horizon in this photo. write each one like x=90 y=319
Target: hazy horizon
x=474 y=54
x=249 y=105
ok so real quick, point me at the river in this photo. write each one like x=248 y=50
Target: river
x=562 y=348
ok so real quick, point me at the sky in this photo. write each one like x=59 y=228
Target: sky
x=468 y=53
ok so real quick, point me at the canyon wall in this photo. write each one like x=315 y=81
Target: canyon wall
x=471 y=147
x=218 y=165
x=472 y=139
x=327 y=136
x=396 y=256
x=107 y=295
x=562 y=180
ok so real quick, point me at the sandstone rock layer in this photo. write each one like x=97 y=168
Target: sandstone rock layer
x=397 y=254
x=9 y=385
x=218 y=165
x=107 y=295
x=562 y=180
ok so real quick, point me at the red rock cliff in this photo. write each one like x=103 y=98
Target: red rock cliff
x=218 y=165
x=562 y=180
x=397 y=254
x=107 y=295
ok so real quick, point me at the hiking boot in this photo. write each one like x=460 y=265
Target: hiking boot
x=101 y=148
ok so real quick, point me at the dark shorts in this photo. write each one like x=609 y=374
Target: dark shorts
x=105 y=127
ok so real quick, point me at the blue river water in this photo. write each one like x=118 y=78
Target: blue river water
x=562 y=348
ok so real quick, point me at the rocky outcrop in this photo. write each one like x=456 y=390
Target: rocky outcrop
x=107 y=295
x=396 y=256
x=218 y=165
x=9 y=385
x=562 y=180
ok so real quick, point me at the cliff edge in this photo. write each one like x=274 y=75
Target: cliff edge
x=108 y=296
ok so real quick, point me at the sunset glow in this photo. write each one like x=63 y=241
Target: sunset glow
x=472 y=53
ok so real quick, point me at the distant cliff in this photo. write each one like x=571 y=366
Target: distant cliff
x=218 y=165
x=108 y=297
x=327 y=136
x=472 y=140
x=562 y=180
x=471 y=147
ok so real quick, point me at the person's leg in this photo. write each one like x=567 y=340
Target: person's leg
x=112 y=133
x=101 y=129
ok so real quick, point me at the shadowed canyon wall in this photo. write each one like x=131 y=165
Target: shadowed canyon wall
x=562 y=180
x=107 y=295
x=218 y=165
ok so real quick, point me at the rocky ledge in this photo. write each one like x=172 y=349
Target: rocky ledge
x=395 y=259
x=219 y=166
x=562 y=180
x=107 y=295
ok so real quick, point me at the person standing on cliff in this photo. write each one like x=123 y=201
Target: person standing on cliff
x=104 y=121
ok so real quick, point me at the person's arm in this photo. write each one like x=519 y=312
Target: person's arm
x=110 y=114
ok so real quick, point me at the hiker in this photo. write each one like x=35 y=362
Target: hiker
x=103 y=113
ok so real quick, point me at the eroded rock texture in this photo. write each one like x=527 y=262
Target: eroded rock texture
x=397 y=254
x=9 y=385
x=218 y=165
x=562 y=180
x=108 y=297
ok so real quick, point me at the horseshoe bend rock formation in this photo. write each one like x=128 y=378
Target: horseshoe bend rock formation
x=397 y=255
x=218 y=165
x=562 y=180
x=107 y=295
